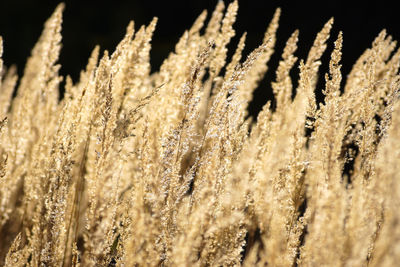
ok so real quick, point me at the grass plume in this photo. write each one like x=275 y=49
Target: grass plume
x=133 y=168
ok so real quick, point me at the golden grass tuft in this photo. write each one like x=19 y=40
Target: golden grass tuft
x=132 y=168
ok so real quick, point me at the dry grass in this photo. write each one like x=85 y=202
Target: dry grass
x=132 y=168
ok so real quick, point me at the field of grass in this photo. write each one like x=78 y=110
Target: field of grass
x=133 y=168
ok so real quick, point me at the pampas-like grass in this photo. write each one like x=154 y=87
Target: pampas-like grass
x=132 y=168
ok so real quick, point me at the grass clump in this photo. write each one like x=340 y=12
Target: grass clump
x=132 y=168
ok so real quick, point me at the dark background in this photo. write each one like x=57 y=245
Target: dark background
x=87 y=23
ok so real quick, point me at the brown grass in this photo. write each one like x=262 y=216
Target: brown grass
x=132 y=168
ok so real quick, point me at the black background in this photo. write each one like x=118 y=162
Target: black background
x=87 y=23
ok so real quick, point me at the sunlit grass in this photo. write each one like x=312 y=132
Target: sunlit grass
x=132 y=168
